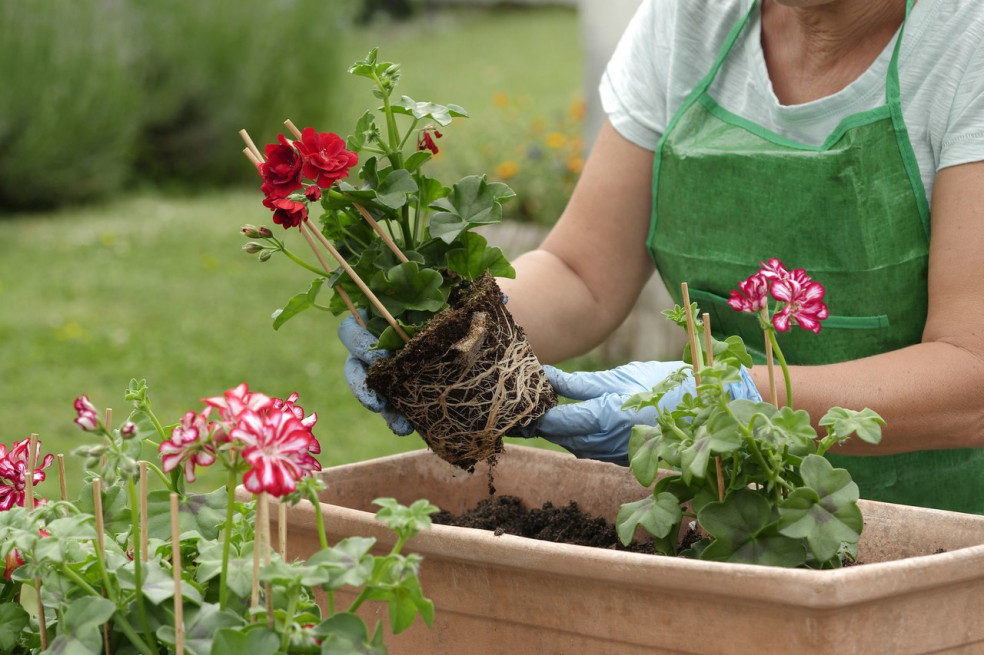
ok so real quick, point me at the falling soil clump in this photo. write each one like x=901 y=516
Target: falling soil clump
x=467 y=379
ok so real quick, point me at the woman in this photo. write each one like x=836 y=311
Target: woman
x=825 y=133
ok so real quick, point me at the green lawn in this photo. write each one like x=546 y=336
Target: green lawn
x=156 y=287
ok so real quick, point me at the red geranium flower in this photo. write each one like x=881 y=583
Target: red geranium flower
x=281 y=171
x=232 y=403
x=426 y=142
x=287 y=212
x=325 y=158
x=13 y=472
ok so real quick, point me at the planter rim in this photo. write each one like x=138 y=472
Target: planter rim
x=806 y=588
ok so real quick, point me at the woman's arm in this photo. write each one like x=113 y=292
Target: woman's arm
x=931 y=395
x=580 y=284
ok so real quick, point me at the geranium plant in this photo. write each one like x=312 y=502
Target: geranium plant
x=124 y=569
x=750 y=474
x=397 y=249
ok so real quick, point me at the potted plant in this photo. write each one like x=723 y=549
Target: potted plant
x=776 y=529
x=406 y=261
x=129 y=569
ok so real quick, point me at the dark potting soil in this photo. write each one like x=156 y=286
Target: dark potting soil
x=567 y=524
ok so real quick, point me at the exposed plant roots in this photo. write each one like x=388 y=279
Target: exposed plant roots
x=467 y=379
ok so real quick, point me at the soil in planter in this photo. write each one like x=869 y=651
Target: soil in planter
x=568 y=525
x=467 y=379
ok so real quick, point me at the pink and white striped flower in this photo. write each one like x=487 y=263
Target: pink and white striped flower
x=88 y=418
x=13 y=472
x=752 y=295
x=190 y=445
x=278 y=447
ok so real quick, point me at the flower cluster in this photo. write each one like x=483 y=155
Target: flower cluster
x=319 y=157
x=272 y=436
x=13 y=472
x=800 y=298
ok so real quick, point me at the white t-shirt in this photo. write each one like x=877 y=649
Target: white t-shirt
x=670 y=45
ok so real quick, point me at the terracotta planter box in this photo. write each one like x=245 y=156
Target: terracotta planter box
x=920 y=588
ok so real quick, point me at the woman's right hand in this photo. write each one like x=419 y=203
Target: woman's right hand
x=362 y=353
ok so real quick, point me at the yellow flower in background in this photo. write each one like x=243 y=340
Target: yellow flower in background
x=575 y=165
x=556 y=140
x=500 y=100
x=578 y=110
x=506 y=169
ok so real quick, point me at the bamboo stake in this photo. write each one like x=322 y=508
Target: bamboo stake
x=252 y=157
x=176 y=569
x=100 y=528
x=691 y=334
x=250 y=146
x=293 y=128
x=143 y=511
x=62 y=483
x=32 y=453
x=709 y=349
x=109 y=419
x=381 y=232
x=310 y=233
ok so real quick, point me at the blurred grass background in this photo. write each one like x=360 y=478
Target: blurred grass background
x=123 y=188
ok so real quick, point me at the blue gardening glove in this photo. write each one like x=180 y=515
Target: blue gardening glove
x=598 y=427
x=360 y=342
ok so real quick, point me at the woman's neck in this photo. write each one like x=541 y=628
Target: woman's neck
x=816 y=50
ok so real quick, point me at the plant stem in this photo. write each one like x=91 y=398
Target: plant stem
x=138 y=558
x=227 y=538
x=785 y=369
x=322 y=535
x=288 y=618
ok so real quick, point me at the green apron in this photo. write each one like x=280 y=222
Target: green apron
x=852 y=212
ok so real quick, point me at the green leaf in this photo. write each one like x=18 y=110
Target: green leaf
x=202 y=513
x=824 y=511
x=346 y=634
x=405 y=521
x=366 y=133
x=475 y=257
x=255 y=638
x=842 y=423
x=346 y=563
x=157 y=583
x=80 y=631
x=298 y=304
x=239 y=576
x=659 y=514
x=472 y=201
x=406 y=287
x=394 y=189
x=441 y=114
x=644 y=447
x=201 y=624
x=13 y=620
x=719 y=435
x=741 y=529
x=787 y=428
